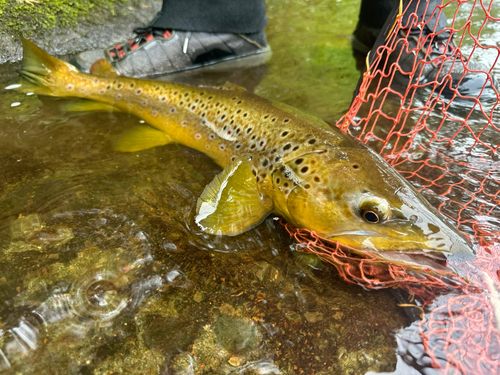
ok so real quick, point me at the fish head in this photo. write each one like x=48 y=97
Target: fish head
x=354 y=197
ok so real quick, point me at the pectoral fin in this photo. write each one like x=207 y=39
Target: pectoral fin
x=141 y=138
x=231 y=203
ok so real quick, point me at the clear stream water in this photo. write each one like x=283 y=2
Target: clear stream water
x=104 y=271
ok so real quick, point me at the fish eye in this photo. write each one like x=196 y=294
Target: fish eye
x=370 y=216
x=374 y=210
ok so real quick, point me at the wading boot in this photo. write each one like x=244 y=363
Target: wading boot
x=157 y=52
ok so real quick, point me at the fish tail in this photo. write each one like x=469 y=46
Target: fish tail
x=41 y=73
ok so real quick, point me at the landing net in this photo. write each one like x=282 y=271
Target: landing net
x=441 y=130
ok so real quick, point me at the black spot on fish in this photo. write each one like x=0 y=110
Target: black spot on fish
x=287 y=146
x=273 y=151
x=109 y=87
x=249 y=130
x=223 y=117
x=252 y=146
x=277 y=159
x=119 y=86
x=284 y=134
x=245 y=114
x=265 y=117
x=264 y=175
x=295 y=148
x=254 y=172
x=285 y=184
x=274 y=119
x=304 y=169
x=262 y=143
x=257 y=179
x=253 y=137
x=131 y=85
x=299 y=161
x=238 y=111
x=175 y=92
x=317 y=179
x=307 y=186
x=202 y=93
x=355 y=166
x=186 y=94
x=312 y=141
x=278 y=180
x=237 y=129
x=265 y=162
x=238 y=146
x=287 y=191
x=286 y=120
x=239 y=101
x=181 y=103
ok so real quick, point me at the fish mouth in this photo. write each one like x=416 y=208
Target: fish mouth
x=418 y=259
x=431 y=253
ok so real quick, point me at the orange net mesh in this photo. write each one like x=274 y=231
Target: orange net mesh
x=429 y=103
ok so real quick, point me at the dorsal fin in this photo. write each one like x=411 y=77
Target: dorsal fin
x=103 y=68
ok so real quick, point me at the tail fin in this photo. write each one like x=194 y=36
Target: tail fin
x=40 y=72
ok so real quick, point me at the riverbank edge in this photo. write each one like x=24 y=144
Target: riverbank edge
x=62 y=27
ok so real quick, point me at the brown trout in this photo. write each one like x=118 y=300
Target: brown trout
x=275 y=159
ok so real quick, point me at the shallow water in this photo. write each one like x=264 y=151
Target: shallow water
x=103 y=269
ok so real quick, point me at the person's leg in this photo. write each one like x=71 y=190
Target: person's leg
x=191 y=34
x=213 y=16
x=427 y=46
x=374 y=14
x=372 y=17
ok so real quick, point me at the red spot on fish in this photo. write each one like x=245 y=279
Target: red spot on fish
x=70 y=87
x=102 y=91
x=197 y=136
x=222 y=147
x=163 y=99
x=184 y=123
x=229 y=132
x=154 y=113
x=211 y=136
x=119 y=96
x=82 y=89
x=144 y=103
x=193 y=107
x=138 y=92
x=172 y=110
